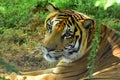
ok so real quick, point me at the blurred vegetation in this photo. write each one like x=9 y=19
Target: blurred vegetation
x=18 y=13
x=21 y=25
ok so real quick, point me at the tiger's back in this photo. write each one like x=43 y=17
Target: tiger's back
x=108 y=55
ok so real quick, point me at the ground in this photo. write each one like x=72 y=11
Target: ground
x=16 y=50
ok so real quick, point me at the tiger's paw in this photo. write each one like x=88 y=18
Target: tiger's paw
x=14 y=76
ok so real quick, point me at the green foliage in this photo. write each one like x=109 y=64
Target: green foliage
x=92 y=56
x=88 y=7
x=65 y=4
x=91 y=7
x=43 y=15
x=18 y=12
x=106 y=3
x=15 y=12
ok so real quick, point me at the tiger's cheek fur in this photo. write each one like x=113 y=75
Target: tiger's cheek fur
x=53 y=40
x=63 y=44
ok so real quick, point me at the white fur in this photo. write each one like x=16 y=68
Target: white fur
x=51 y=53
x=54 y=23
x=74 y=56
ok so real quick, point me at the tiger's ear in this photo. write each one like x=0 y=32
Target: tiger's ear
x=52 y=8
x=88 y=23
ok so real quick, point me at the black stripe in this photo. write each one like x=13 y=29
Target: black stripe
x=62 y=17
x=80 y=38
x=107 y=50
x=78 y=26
x=48 y=20
x=69 y=22
x=110 y=31
x=69 y=25
x=63 y=66
x=77 y=17
x=116 y=36
x=62 y=14
x=72 y=19
x=63 y=72
x=76 y=74
x=56 y=57
x=75 y=30
x=104 y=32
x=104 y=35
x=81 y=16
x=48 y=55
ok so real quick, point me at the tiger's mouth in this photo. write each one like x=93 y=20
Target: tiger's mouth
x=69 y=53
x=52 y=55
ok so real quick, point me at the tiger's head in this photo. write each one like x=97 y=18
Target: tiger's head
x=67 y=34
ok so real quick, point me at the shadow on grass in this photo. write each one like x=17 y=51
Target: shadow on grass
x=8 y=67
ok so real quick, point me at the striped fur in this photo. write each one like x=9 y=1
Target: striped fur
x=70 y=26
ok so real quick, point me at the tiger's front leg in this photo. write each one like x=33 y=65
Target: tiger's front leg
x=38 y=72
x=46 y=74
x=14 y=76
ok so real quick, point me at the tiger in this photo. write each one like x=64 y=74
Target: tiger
x=68 y=39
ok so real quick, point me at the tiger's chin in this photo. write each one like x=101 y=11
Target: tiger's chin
x=51 y=56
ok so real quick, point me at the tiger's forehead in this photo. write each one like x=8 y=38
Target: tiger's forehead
x=65 y=15
x=64 y=19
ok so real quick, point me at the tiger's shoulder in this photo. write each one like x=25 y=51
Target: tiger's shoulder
x=110 y=34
